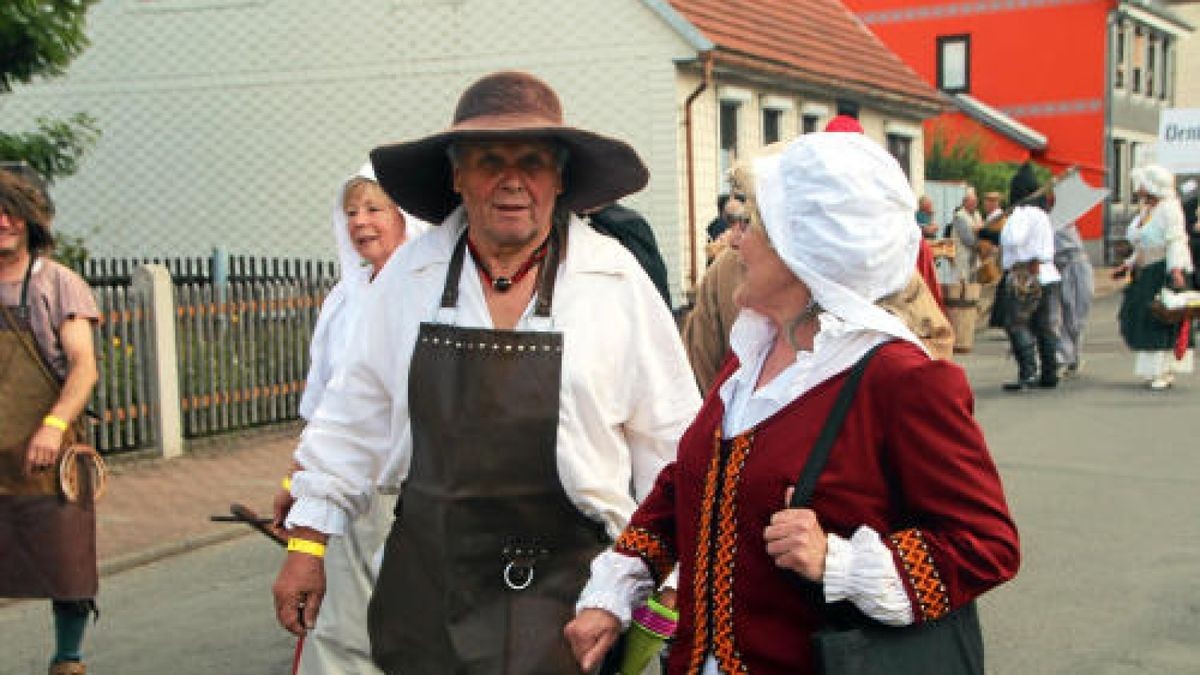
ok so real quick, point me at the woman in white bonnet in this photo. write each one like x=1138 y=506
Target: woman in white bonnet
x=1161 y=258
x=909 y=494
x=368 y=228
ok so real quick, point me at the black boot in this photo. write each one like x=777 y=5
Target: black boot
x=1025 y=354
x=1048 y=353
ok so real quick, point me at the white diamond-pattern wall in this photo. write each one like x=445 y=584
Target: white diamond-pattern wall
x=229 y=124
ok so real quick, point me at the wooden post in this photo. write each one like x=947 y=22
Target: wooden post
x=153 y=282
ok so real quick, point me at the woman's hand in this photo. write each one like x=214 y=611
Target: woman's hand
x=591 y=634
x=1177 y=281
x=796 y=541
x=43 y=448
x=280 y=506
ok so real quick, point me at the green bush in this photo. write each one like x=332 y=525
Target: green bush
x=961 y=160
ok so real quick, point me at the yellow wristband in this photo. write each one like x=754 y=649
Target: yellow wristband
x=312 y=548
x=286 y=483
x=54 y=422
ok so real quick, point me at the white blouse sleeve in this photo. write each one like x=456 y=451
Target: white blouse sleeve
x=863 y=571
x=618 y=584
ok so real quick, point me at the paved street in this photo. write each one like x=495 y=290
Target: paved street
x=207 y=612
x=1100 y=474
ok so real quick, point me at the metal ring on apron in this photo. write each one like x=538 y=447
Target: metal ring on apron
x=515 y=585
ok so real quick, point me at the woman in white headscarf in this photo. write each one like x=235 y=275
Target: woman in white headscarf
x=368 y=228
x=908 y=520
x=1161 y=258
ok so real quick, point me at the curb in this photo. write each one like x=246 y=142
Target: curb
x=131 y=560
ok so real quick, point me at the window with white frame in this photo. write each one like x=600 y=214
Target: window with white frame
x=727 y=153
x=900 y=145
x=772 y=121
x=954 y=63
x=1118 y=175
x=1151 y=65
x=1119 y=55
x=1168 y=62
x=1139 y=56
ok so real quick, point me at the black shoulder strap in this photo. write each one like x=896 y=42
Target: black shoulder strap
x=802 y=495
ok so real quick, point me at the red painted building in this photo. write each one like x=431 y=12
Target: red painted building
x=1062 y=82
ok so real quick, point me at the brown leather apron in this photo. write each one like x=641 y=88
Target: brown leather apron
x=47 y=545
x=487 y=554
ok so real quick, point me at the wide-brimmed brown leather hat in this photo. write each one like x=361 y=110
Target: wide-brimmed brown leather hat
x=508 y=105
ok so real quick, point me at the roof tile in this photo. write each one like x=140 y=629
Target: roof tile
x=816 y=40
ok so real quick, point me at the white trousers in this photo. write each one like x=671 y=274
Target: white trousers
x=338 y=644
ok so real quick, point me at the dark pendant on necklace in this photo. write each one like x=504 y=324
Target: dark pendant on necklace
x=502 y=284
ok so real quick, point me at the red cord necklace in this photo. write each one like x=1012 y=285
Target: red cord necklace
x=502 y=284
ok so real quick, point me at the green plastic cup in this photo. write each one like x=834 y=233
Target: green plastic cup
x=653 y=624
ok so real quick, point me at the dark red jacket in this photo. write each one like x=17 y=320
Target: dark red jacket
x=910 y=462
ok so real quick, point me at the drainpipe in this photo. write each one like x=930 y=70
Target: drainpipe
x=693 y=259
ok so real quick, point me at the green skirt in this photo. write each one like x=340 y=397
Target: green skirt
x=1140 y=329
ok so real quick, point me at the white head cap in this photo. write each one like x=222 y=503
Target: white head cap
x=838 y=210
x=1158 y=181
x=1137 y=178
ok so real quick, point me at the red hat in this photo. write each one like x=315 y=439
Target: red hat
x=844 y=123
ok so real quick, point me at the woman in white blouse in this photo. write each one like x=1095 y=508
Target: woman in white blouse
x=368 y=228
x=1161 y=258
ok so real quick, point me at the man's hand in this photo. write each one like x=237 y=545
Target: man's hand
x=796 y=541
x=591 y=634
x=298 y=590
x=42 y=451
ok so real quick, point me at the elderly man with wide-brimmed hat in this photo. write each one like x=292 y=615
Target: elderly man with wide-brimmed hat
x=516 y=376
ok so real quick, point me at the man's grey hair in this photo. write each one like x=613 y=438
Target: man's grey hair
x=561 y=153
x=970 y=193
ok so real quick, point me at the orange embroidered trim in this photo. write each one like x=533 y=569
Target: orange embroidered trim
x=922 y=573
x=715 y=560
x=650 y=547
x=700 y=582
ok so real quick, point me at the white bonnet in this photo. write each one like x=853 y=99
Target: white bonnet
x=1158 y=181
x=839 y=211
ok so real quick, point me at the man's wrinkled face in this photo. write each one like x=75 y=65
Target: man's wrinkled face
x=509 y=189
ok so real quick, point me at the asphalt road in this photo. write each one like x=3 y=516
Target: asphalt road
x=1100 y=473
x=208 y=612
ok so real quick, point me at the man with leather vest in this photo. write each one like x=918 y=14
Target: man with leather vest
x=515 y=376
x=47 y=371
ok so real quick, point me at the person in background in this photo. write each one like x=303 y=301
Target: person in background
x=987 y=254
x=47 y=543
x=1161 y=258
x=910 y=493
x=368 y=229
x=720 y=224
x=631 y=229
x=925 y=221
x=964 y=231
x=734 y=214
x=1189 y=199
x=1075 y=300
x=1027 y=297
